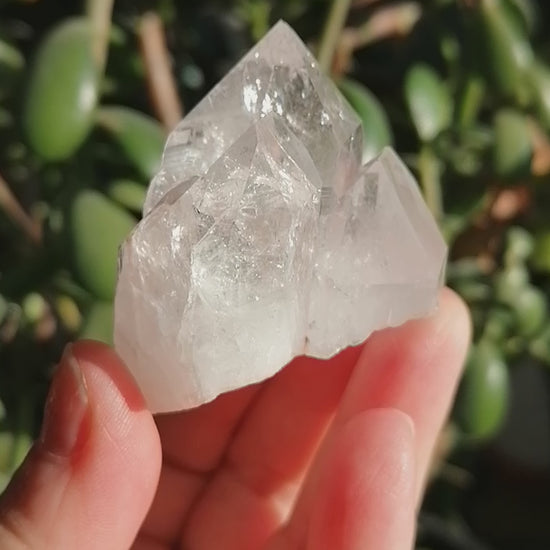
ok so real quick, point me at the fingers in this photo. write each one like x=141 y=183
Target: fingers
x=414 y=368
x=365 y=498
x=256 y=486
x=196 y=440
x=193 y=443
x=89 y=479
x=279 y=436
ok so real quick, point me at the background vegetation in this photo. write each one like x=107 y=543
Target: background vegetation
x=461 y=88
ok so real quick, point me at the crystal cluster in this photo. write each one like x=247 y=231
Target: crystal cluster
x=264 y=238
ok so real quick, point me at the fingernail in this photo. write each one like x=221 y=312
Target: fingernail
x=66 y=411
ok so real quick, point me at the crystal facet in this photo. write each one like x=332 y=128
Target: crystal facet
x=263 y=237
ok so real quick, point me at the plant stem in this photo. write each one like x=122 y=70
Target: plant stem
x=331 y=33
x=386 y=22
x=430 y=180
x=469 y=101
x=99 y=13
x=160 y=80
x=15 y=211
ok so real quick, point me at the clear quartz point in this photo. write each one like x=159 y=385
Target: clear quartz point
x=263 y=237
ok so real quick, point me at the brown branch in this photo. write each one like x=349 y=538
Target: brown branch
x=15 y=211
x=331 y=33
x=160 y=80
x=99 y=14
x=386 y=22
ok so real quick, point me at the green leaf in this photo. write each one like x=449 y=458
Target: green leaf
x=127 y=193
x=6 y=452
x=62 y=92
x=377 y=132
x=140 y=137
x=12 y=63
x=500 y=325
x=512 y=152
x=540 y=346
x=540 y=259
x=539 y=79
x=509 y=282
x=98 y=226
x=470 y=99
x=519 y=246
x=525 y=14
x=484 y=393
x=531 y=310
x=11 y=59
x=4 y=308
x=68 y=312
x=428 y=100
x=506 y=51
x=98 y=323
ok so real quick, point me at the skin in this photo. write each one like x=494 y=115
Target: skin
x=324 y=455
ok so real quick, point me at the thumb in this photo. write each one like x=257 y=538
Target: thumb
x=88 y=481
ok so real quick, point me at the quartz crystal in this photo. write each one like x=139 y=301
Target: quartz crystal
x=264 y=238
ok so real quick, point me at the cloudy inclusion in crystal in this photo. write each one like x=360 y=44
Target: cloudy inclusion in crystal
x=263 y=238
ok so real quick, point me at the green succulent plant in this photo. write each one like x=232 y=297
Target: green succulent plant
x=461 y=88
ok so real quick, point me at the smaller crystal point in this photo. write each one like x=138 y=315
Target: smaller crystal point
x=263 y=237
x=379 y=260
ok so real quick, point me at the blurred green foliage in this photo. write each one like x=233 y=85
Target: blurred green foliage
x=461 y=88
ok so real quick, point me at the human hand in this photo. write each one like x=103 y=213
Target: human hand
x=259 y=468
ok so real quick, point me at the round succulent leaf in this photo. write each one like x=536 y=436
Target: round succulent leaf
x=499 y=325
x=531 y=310
x=509 y=282
x=524 y=13
x=97 y=226
x=98 y=323
x=377 y=132
x=428 y=100
x=62 y=92
x=12 y=63
x=127 y=193
x=7 y=441
x=540 y=258
x=519 y=245
x=506 y=50
x=471 y=95
x=139 y=136
x=4 y=308
x=539 y=347
x=473 y=290
x=484 y=392
x=512 y=151
x=539 y=80
x=68 y=312
x=34 y=307
x=11 y=59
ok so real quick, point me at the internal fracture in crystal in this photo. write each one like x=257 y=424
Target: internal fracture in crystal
x=264 y=238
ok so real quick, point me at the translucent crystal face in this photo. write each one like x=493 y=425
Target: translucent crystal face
x=279 y=77
x=379 y=260
x=264 y=239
